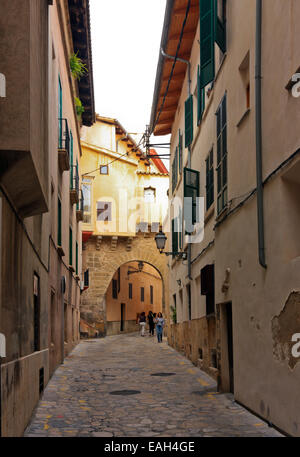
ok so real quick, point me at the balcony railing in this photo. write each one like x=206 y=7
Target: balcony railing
x=74 y=185
x=63 y=145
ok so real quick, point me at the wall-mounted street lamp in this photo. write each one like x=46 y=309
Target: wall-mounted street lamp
x=160 y=240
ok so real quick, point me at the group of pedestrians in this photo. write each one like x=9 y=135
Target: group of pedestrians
x=154 y=321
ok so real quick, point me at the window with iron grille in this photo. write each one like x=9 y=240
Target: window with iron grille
x=142 y=293
x=115 y=289
x=130 y=291
x=222 y=155
x=210 y=179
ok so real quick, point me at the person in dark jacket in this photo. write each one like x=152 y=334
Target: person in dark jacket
x=142 y=321
x=151 y=323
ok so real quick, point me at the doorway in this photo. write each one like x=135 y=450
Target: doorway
x=228 y=309
x=122 y=317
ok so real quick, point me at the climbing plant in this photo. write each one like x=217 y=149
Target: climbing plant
x=77 y=67
x=79 y=106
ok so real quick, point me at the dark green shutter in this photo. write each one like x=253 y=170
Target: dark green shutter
x=174 y=236
x=200 y=98
x=70 y=247
x=180 y=153
x=209 y=180
x=207 y=42
x=59 y=113
x=59 y=223
x=220 y=30
x=189 y=119
x=222 y=155
x=175 y=170
x=191 y=190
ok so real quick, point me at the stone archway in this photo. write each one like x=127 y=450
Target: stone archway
x=102 y=256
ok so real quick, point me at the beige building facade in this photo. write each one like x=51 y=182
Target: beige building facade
x=40 y=232
x=125 y=195
x=237 y=296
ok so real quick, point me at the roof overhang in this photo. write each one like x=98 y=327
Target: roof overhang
x=81 y=33
x=162 y=118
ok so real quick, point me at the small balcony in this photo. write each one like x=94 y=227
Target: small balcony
x=63 y=145
x=80 y=207
x=74 y=185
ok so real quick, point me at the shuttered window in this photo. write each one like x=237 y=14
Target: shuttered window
x=189 y=131
x=130 y=291
x=142 y=294
x=191 y=192
x=207 y=48
x=222 y=154
x=210 y=179
x=220 y=24
x=175 y=170
x=175 y=235
x=200 y=98
x=114 y=289
x=180 y=152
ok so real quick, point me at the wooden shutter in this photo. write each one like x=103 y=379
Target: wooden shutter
x=207 y=47
x=180 y=153
x=189 y=121
x=70 y=247
x=191 y=190
x=220 y=29
x=200 y=98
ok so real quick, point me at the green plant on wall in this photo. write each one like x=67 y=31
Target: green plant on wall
x=78 y=68
x=79 y=107
x=174 y=314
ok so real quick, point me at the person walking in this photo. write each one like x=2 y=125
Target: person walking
x=160 y=323
x=151 y=323
x=142 y=321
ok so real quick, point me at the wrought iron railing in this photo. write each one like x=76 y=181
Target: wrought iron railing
x=63 y=135
x=80 y=204
x=74 y=181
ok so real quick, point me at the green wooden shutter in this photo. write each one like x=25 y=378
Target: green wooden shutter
x=191 y=190
x=222 y=155
x=189 y=119
x=70 y=247
x=209 y=180
x=59 y=223
x=71 y=161
x=180 y=153
x=200 y=99
x=220 y=29
x=207 y=42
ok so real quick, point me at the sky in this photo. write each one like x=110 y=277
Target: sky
x=126 y=39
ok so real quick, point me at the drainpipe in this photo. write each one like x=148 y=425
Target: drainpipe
x=187 y=62
x=258 y=115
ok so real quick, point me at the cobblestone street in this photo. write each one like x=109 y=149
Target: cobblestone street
x=84 y=397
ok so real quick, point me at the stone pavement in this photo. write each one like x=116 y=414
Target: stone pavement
x=83 y=397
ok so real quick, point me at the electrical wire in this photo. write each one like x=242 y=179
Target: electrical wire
x=173 y=66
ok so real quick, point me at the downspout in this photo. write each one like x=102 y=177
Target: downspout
x=258 y=120
x=187 y=62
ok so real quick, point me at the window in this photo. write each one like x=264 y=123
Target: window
x=87 y=198
x=53 y=314
x=66 y=322
x=222 y=155
x=104 y=211
x=189 y=131
x=114 y=288
x=71 y=161
x=208 y=287
x=200 y=98
x=36 y=313
x=212 y=29
x=104 y=170
x=130 y=291
x=210 y=179
x=175 y=235
x=175 y=170
x=151 y=295
x=70 y=247
x=119 y=280
x=191 y=192
x=149 y=195
x=60 y=133
x=142 y=293
x=180 y=152
x=59 y=223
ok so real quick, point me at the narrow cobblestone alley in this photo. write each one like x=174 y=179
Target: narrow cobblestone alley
x=83 y=397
